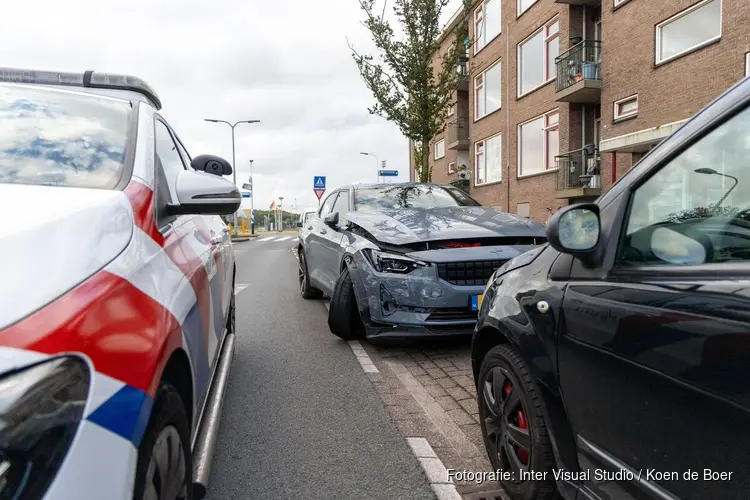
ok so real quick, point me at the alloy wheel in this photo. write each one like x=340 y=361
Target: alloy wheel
x=166 y=477
x=301 y=267
x=506 y=423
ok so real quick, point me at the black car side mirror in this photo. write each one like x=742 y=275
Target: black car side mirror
x=299 y=224
x=331 y=220
x=212 y=164
x=576 y=230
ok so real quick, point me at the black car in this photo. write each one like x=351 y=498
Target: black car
x=614 y=362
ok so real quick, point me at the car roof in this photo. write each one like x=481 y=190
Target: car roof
x=390 y=185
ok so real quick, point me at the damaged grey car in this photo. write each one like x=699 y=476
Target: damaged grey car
x=406 y=260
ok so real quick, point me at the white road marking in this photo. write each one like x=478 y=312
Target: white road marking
x=364 y=360
x=239 y=288
x=284 y=238
x=433 y=467
x=267 y=238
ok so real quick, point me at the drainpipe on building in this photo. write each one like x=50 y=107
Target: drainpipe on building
x=614 y=166
x=507 y=111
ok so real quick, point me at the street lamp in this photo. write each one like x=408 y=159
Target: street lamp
x=234 y=165
x=252 y=200
x=377 y=164
x=711 y=171
x=281 y=213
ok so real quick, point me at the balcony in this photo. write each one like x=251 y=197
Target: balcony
x=588 y=3
x=578 y=174
x=579 y=73
x=463 y=71
x=457 y=136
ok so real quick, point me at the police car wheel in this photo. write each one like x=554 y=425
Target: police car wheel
x=164 y=469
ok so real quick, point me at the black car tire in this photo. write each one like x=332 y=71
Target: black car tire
x=507 y=361
x=168 y=429
x=343 y=317
x=308 y=291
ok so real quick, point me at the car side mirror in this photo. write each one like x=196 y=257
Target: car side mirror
x=576 y=230
x=299 y=224
x=211 y=164
x=331 y=220
x=200 y=193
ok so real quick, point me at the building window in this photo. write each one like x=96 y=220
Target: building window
x=747 y=64
x=523 y=209
x=488 y=160
x=452 y=167
x=689 y=30
x=487 y=91
x=524 y=5
x=440 y=149
x=619 y=2
x=538 y=144
x=487 y=23
x=626 y=108
x=536 y=57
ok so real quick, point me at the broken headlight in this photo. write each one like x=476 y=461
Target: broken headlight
x=386 y=262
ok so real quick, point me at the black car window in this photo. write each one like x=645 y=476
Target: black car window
x=328 y=204
x=696 y=209
x=58 y=138
x=410 y=196
x=342 y=203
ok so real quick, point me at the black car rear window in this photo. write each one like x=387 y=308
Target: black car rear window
x=412 y=196
x=59 y=138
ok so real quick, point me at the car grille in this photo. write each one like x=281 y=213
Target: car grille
x=453 y=314
x=468 y=273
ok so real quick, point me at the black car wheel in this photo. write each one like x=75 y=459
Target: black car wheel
x=343 y=317
x=306 y=289
x=164 y=470
x=513 y=425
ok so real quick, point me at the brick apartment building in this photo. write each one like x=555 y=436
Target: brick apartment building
x=561 y=97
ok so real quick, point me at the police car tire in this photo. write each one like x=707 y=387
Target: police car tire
x=343 y=317
x=168 y=410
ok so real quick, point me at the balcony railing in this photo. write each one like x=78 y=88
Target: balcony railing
x=463 y=74
x=457 y=133
x=580 y=62
x=576 y=169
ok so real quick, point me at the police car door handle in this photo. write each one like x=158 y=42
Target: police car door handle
x=323 y=231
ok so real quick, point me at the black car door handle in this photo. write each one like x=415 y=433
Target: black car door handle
x=323 y=231
x=309 y=227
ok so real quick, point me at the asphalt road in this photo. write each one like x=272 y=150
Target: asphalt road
x=301 y=419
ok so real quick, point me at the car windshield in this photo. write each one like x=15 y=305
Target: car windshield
x=413 y=196
x=60 y=138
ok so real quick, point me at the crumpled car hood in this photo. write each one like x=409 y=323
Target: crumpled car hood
x=52 y=239
x=412 y=225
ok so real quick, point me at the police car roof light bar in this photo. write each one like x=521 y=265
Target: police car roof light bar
x=88 y=79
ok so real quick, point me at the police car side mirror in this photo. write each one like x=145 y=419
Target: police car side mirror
x=200 y=193
x=211 y=164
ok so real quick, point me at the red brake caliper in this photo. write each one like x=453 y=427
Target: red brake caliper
x=523 y=455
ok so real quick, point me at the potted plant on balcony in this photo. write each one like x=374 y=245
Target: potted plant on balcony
x=592 y=177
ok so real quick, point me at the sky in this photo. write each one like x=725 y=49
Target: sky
x=285 y=63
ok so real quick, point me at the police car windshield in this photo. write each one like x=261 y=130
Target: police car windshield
x=411 y=196
x=59 y=138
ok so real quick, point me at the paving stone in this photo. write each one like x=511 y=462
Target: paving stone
x=443 y=362
x=427 y=364
x=474 y=433
x=412 y=406
x=461 y=417
x=446 y=383
x=383 y=388
x=409 y=428
x=435 y=390
x=458 y=393
x=390 y=399
x=464 y=381
x=419 y=356
x=398 y=412
x=436 y=373
x=450 y=370
x=417 y=370
x=470 y=405
x=424 y=379
x=375 y=377
x=447 y=403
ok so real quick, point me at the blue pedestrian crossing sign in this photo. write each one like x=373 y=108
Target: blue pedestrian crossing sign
x=319 y=182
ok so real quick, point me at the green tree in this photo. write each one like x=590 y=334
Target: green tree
x=408 y=88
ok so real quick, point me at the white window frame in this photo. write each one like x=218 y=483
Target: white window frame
x=481 y=143
x=548 y=127
x=477 y=87
x=440 y=142
x=452 y=167
x=452 y=110
x=677 y=16
x=518 y=7
x=617 y=3
x=545 y=54
x=481 y=34
x=545 y=142
x=616 y=110
x=747 y=64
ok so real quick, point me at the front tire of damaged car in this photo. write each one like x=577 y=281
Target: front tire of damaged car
x=344 y=320
x=307 y=291
x=513 y=425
